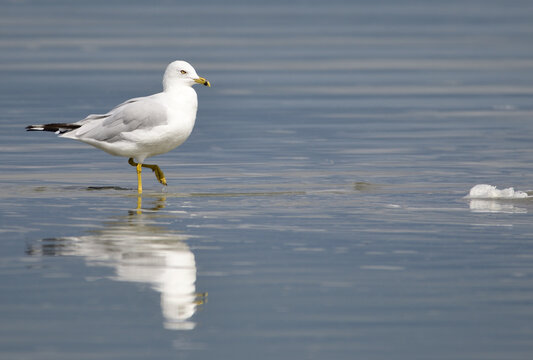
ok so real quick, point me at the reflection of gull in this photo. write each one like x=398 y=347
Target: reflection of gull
x=165 y=262
x=144 y=252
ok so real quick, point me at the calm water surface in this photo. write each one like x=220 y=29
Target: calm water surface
x=318 y=210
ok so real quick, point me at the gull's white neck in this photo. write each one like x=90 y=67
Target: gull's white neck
x=175 y=84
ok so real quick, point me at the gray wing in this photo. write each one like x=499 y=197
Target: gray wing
x=134 y=114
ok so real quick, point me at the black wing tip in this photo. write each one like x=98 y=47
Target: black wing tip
x=34 y=128
x=54 y=127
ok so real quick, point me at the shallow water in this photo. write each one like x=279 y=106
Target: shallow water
x=317 y=211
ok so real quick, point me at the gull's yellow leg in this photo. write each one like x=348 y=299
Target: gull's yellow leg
x=139 y=178
x=158 y=173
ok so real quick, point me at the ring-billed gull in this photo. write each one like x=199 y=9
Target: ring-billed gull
x=144 y=126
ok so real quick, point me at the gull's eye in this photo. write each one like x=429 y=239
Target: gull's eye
x=183 y=72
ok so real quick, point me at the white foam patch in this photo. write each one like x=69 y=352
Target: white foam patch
x=484 y=191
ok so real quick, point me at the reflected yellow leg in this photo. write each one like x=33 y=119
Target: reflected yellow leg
x=139 y=204
x=158 y=172
x=201 y=298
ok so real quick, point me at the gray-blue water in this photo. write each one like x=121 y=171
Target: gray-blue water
x=319 y=201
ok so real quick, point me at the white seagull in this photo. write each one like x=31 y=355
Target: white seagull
x=143 y=126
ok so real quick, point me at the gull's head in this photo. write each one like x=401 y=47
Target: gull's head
x=181 y=73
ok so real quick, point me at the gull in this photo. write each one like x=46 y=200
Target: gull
x=142 y=127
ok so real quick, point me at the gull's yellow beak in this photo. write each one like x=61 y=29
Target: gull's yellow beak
x=202 y=81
